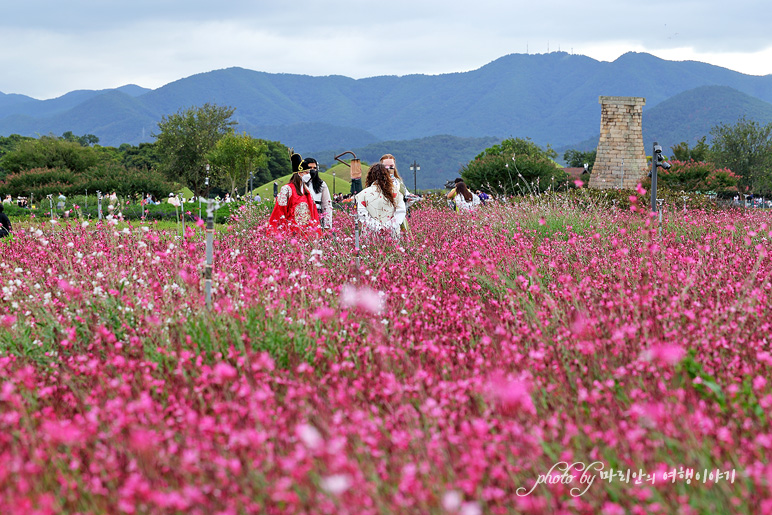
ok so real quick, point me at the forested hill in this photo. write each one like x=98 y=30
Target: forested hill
x=551 y=98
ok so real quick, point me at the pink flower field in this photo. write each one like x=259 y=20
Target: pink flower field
x=531 y=358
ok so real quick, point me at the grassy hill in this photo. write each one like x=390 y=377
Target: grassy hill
x=344 y=172
x=340 y=185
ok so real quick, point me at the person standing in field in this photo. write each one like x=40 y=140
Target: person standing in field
x=321 y=194
x=380 y=206
x=390 y=162
x=5 y=223
x=465 y=200
x=295 y=210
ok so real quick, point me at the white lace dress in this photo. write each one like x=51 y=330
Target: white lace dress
x=377 y=214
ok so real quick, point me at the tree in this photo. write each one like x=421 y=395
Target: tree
x=699 y=152
x=234 y=157
x=746 y=149
x=86 y=140
x=277 y=162
x=515 y=166
x=577 y=159
x=514 y=147
x=185 y=138
x=145 y=156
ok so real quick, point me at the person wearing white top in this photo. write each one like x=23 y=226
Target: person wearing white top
x=379 y=207
x=322 y=197
x=390 y=162
x=465 y=200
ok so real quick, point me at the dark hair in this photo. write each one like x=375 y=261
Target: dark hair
x=463 y=190
x=379 y=175
x=1 y=208
x=316 y=181
x=457 y=180
x=300 y=188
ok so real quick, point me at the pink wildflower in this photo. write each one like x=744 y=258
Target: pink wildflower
x=512 y=395
x=7 y=321
x=667 y=354
x=365 y=298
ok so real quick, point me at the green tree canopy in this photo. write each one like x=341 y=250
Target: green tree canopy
x=85 y=141
x=746 y=149
x=515 y=166
x=185 y=138
x=145 y=156
x=234 y=157
x=277 y=162
x=699 y=152
x=577 y=159
x=49 y=152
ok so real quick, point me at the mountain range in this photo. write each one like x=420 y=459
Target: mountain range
x=551 y=98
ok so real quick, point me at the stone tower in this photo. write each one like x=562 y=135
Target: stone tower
x=621 y=159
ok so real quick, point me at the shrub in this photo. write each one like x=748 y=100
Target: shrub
x=697 y=176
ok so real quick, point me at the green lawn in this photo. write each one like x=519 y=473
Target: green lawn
x=340 y=186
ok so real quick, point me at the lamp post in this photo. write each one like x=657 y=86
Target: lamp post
x=415 y=168
x=657 y=161
x=251 y=196
x=333 y=182
x=209 y=245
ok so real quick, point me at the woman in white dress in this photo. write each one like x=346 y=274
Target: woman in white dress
x=380 y=206
x=390 y=162
x=466 y=201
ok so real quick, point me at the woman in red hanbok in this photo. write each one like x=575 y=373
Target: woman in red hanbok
x=295 y=210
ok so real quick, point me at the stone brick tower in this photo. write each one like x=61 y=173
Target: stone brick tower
x=621 y=159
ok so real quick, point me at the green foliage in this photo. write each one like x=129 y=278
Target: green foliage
x=234 y=157
x=85 y=141
x=516 y=147
x=7 y=144
x=577 y=159
x=699 y=152
x=106 y=177
x=516 y=166
x=144 y=156
x=185 y=138
x=277 y=163
x=746 y=149
x=50 y=152
x=697 y=176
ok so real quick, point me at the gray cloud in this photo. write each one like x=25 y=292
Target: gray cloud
x=61 y=46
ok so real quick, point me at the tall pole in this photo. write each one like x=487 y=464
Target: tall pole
x=415 y=169
x=654 y=178
x=182 y=212
x=209 y=245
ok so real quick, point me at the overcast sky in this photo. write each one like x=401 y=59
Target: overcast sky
x=52 y=47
